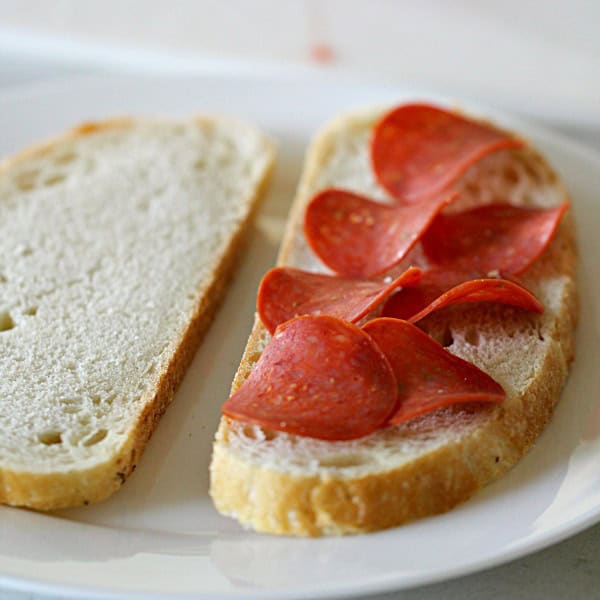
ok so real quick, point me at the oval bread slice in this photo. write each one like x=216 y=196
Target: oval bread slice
x=116 y=242
x=279 y=483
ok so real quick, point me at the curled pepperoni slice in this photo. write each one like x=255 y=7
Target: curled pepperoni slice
x=357 y=237
x=318 y=377
x=428 y=376
x=438 y=288
x=417 y=150
x=285 y=293
x=496 y=237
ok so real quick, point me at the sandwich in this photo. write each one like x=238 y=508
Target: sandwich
x=414 y=338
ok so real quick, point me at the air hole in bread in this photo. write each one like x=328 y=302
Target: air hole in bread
x=254 y=432
x=70 y=366
x=472 y=336
x=31 y=311
x=250 y=432
x=342 y=460
x=24 y=250
x=472 y=188
x=533 y=173
x=510 y=175
x=54 y=179
x=74 y=400
x=6 y=321
x=447 y=337
x=160 y=190
x=96 y=437
x=442 y=335
x=3 y=278
x=65 y=159
x=27 y=180
x=200 y=164
x=49 y=438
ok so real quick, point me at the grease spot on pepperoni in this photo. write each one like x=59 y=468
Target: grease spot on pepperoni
x=318 y=377
x=429 y=377
x=417 y=150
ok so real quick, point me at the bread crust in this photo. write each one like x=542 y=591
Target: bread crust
x=279 y=501
x=54 y=490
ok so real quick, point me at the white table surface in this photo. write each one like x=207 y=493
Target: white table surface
x=569 y=569
x=539 y=55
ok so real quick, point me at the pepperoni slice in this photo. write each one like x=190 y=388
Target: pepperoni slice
x=417 y=150
x=319 y=377
x=438 y=288
x=358 y=237
x=428 y=376
x=285 y=293
x=496 y=237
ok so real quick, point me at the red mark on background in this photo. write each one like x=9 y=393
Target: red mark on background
x=322 y=53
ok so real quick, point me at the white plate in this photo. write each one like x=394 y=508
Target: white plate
x=160 y=534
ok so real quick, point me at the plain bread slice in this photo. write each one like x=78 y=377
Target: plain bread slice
x=116 y=241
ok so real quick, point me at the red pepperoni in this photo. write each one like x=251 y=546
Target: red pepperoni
x=428 y=376
x=417 y=150
x=358 y=237
x=496 y=237
x=438 y=288
x=285 y=293
x=319 y=377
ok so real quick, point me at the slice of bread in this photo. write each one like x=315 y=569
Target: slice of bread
x=281 y=483
x=116 y=242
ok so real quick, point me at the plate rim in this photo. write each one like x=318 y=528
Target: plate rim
x=127 y=58
x=225 y=69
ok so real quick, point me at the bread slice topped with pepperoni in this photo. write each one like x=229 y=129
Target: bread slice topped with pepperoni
x=415 y=336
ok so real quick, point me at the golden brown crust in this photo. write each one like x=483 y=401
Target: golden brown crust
x=41 y=149
x=48 y=491
x=277 y=501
